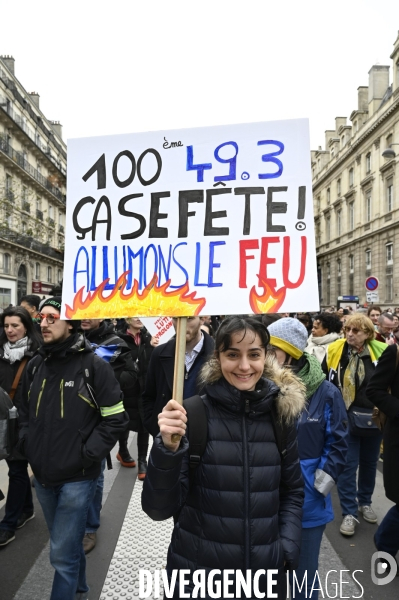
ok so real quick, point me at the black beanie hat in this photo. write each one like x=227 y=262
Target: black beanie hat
x=55 y=301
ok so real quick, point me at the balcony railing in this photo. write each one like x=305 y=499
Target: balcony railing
x=29 y=242
x=39 y=214
x=51 y=222
x=10 y=83
x=60 y=229
x=33 y=136
x=21 y=161
x=25 y=206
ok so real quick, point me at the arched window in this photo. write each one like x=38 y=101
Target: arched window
x=59 y=276
x=37 y=271
x=49 y=274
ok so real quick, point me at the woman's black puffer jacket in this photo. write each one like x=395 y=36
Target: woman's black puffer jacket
x=243 y=508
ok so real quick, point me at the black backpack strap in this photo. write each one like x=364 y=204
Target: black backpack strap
x=280 y=433
x=88 y=368
x=88 y=376
x=197 y=429
x=37 y=362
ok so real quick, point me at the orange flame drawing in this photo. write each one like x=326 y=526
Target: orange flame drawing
x=153 y=301
x=269 y=301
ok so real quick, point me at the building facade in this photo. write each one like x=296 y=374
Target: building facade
x=355 y=195
x=32 y=192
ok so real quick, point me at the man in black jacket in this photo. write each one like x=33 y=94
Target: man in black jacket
x=65 y=438
x=141 y=345
x=112 y=349
x=159 y=381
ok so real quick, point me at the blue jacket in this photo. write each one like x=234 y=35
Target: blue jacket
x=322 y=445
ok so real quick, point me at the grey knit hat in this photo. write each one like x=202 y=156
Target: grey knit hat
x=289 y=335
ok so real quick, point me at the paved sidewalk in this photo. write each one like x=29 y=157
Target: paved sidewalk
x=142 y=544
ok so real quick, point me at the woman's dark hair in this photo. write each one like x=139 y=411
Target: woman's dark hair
x=26 y=319
x=329 y=321
x=238 y=323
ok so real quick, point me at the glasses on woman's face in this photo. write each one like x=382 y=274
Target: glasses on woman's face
x=50 y=318
x=354 y=330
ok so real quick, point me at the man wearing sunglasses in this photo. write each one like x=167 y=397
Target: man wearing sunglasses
x=72 y=415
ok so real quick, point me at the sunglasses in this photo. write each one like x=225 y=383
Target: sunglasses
x=50 y=318
x=355 y=330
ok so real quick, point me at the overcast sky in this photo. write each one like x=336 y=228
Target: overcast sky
x=137 y=65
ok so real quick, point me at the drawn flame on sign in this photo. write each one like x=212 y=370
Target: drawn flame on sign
x=269 y=301
x=153 y=301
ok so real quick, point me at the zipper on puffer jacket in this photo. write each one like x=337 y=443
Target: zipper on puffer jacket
x=40 y=396
x=62 y=398
x=246 y=486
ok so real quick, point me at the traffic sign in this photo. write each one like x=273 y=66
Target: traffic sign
x=371 y=284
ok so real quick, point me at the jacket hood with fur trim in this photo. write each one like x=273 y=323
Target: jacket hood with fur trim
x=290 y=390
x=291 y=397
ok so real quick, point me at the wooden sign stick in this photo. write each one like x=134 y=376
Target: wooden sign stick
x=178 y=373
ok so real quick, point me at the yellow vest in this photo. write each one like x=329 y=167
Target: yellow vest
x=335 y=349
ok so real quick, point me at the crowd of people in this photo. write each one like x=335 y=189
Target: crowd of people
x=281 y=408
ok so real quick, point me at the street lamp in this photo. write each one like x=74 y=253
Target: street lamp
x=389 y=153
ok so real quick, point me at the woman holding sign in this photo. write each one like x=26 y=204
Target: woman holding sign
x=238 y=506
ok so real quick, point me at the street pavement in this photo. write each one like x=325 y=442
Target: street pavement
x=129 y=541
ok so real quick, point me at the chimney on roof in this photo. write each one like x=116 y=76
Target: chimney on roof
x=9 y=62
x=339 y=122
x=57 y=128
x=329 y=133
x=378 y=84
x=34 y=96
x=362 y=98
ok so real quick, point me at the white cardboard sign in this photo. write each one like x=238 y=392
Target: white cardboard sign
x=215 y=220
x=159 y=327
x=372 y=297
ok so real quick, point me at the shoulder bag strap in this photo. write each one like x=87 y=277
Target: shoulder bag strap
x=197 y=429
x=17 y=377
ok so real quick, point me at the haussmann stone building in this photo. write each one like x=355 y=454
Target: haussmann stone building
x=355 y=193
x=32 y=192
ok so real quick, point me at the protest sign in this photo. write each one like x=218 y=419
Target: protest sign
x=215 y=220
x=159 y=327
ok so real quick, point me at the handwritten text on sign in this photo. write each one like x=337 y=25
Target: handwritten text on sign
x=160 y=327
x=214 y=220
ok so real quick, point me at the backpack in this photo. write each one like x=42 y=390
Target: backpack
x=8 y=424
x=198 y=431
